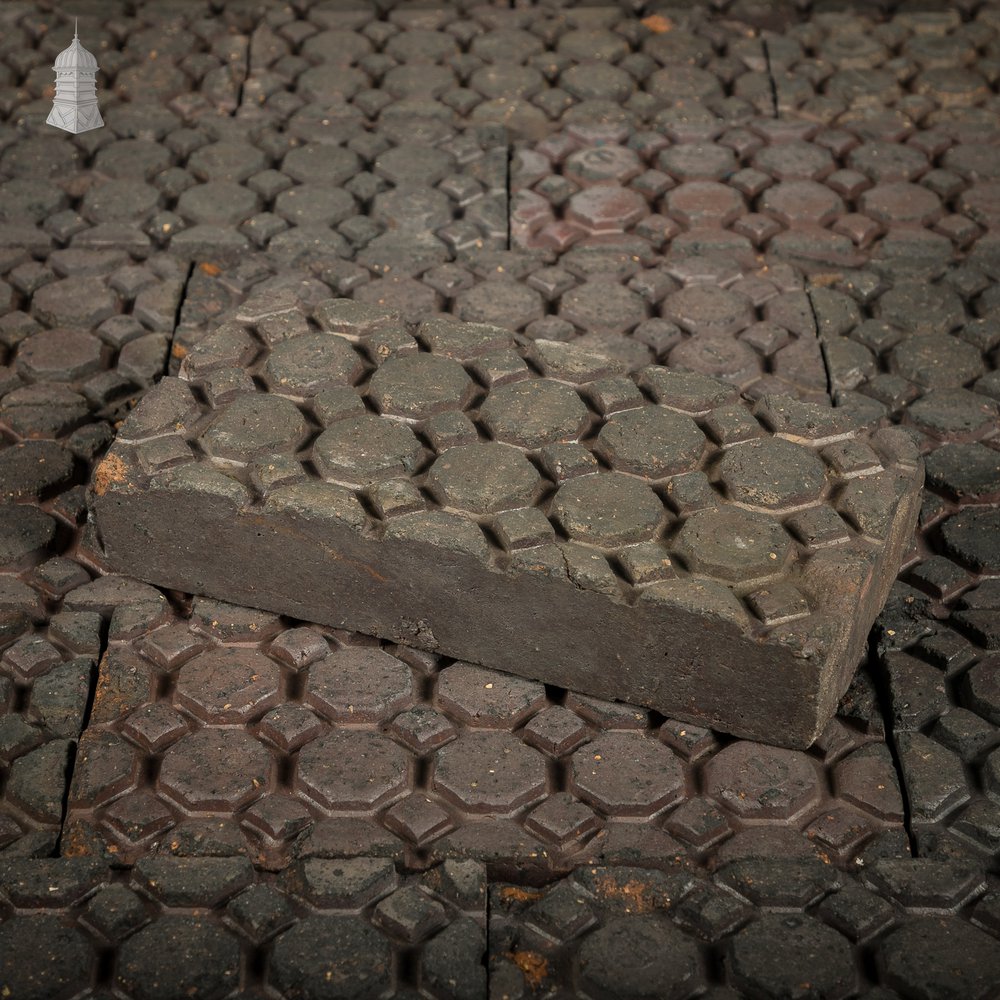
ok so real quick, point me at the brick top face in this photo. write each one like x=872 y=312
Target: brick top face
x=657 y=491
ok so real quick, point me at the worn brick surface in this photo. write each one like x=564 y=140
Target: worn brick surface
x=356 y=924
x=723 y=553
x=84 y=331
x=938 y=638
x=922 y=345
x=821 y=196
x=52 y=620
x=756 y=928
x=923 y=350
x=701 y=312
x=45 y=689
x=788 y=197
x=229 y=731
x=214 y=187
x=682 y=67
x=758 y=925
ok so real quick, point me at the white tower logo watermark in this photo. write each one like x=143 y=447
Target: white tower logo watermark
x=75 y=106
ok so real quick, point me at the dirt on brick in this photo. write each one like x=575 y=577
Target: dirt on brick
x=111 y=472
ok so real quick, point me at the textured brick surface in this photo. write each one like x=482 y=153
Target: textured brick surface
x=938 y=638
x=214 y=187
x=929 y=354
x=756 y=928
x=229 y=731
x=355 y=924
x=721 y=554
x=920 y=345
x=787 y=197
x=84 y=332
x=45 y=680
x=701 y=312
x=764 y=926
x=53 y=619
x=820 y=196
x=684 y=68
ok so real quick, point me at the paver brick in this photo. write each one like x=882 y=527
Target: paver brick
x=900 y=224
x=48 y=653
x=607 y=509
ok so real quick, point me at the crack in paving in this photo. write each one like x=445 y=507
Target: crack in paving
x=181 y=299
x=238 y=104
x=770 y=77
x=71 y=754
x=827 y=370
x=507 y=188
x=880 y=681
x=74 y=747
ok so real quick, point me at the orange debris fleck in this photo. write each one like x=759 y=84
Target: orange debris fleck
x=640 y=896
x=520 y=895
x=111 y=471
x=534 y=967
x=657 y=23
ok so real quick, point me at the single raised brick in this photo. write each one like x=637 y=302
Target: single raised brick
x=561 y=563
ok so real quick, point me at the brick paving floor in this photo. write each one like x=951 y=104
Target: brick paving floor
x=787 y=196
x=757 y=928
x=461 y=760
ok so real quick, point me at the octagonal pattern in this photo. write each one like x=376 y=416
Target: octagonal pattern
x=776 y=954
x=607 y=508
x=419 y=385
x=364 y=449
x=227 y=685
x=762 y=782
x=602 y=164
x=732 y=544
x=627 y=774
x=197 y=771
x=533 y=413
x=351 y=769
x=483 y=478
x=59 y=355
x=607 y=208
x=254 y=423
x=488 y=772
x=359 y=684
x=306 y=365
x=651 y=442
x=700 y=308
x=477 y=696
x=772 y=473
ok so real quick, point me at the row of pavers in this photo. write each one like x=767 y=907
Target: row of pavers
x=357 y=927
x=530 y=65
x=424 y=192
